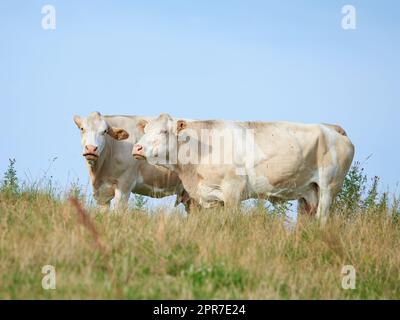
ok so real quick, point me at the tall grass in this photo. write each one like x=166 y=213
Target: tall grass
x=214 y=254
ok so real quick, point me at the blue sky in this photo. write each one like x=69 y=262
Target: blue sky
x=241 y=60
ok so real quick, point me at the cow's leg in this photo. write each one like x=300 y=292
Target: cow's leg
x=103 y=202
x=192 y=206
x=231 y=202
x=309 y=203
x=189 y=203
x=103 y=196
x=121 y=199
x=123 y=189
x=103 y=206
x=328 y=188
x=325 y=201
x=232 y=191
x=306 y=209
x=302 y=207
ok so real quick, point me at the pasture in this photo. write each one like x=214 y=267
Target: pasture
x=251 y=253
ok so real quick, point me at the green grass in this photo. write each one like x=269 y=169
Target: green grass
x=208 y=255
x=218 y=254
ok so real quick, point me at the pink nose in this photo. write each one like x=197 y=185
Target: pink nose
x=138 y=149
x=90 y=149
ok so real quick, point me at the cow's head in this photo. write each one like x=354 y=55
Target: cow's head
x=94 y=129
x=159 y=140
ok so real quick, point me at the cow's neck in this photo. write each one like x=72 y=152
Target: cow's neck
x=189 y=177
x=188 y=174
x=96 y=168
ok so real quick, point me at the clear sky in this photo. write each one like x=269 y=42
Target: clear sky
x=241 y=60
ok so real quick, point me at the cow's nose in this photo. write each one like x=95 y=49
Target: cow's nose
x=138 y=149
x=90 y=149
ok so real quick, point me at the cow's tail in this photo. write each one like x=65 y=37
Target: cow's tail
x=337 y=128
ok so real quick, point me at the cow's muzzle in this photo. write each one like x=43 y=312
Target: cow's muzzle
x=90 y=156
x=138 y=152
x=90 y=152
x=139 y=157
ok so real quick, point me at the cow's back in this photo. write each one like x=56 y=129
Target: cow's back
x=292 y=154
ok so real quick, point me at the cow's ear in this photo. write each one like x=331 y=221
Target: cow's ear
x=141 y=124
x=118 y=133
x=78 y=121
x=180 y=125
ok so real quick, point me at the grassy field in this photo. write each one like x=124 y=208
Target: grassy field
x=210 y=255
x=249 y=254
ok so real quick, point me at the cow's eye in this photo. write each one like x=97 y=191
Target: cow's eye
x=105 y=131
x=81 y=129
x=164 y=131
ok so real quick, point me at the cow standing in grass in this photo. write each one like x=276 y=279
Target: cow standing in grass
x=107 y=150
x=285 y=161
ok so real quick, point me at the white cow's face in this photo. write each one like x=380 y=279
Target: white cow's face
x=94 y=129
x=158 y=142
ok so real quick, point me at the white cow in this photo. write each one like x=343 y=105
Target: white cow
x=113 y=172
x=271 y=160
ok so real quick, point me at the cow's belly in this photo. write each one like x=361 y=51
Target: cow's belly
x=264 y=190
x=285 y=180
x=152 y=191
